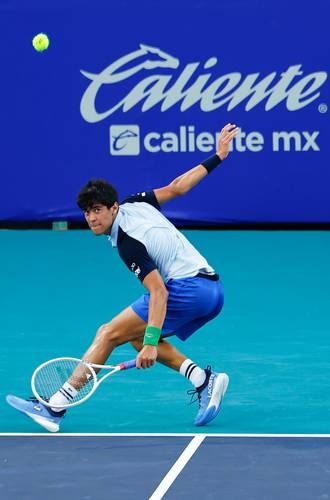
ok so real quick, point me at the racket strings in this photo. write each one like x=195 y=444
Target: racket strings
x=52 y=376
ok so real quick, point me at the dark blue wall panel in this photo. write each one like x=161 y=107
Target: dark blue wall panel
x=135 y=92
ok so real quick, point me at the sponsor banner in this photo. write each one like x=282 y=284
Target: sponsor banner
x=129 y=140
x=138 y=103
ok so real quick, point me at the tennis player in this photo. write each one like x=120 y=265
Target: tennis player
x=183 y=290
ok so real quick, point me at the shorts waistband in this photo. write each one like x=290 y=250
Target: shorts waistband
x=211 y=277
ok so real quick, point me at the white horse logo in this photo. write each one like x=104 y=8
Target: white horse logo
x=152 y=58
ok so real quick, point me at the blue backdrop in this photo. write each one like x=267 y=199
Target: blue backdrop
x=135 y=92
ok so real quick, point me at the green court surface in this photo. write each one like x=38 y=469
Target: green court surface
x=272 y=337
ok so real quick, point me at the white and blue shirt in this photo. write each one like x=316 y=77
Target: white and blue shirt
x=147 y=240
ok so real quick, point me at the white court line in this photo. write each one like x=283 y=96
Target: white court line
x=157 y=434
x=177 y=467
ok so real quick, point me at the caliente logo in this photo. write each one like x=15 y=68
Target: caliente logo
x=195 y=83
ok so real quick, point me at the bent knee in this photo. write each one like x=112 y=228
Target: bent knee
x=107 y=333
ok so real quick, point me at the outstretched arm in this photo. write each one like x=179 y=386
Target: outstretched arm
x=182 y=184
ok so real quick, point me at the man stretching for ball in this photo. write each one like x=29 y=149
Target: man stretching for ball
x=183 y=290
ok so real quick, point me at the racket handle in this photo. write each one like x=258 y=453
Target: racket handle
x=128 y=364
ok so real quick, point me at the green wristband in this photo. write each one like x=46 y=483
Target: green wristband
x=152 y=335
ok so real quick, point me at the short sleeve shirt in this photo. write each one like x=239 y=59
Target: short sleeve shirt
x=147 y=240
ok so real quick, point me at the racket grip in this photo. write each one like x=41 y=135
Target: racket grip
x=128 y=364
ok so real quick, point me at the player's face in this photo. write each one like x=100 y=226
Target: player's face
x=100 y=218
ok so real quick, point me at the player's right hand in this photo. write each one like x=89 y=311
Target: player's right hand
x=146 y=357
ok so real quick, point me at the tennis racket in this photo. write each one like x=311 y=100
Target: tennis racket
x=51 y=376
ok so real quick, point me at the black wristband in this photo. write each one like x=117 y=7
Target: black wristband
x=211 y=163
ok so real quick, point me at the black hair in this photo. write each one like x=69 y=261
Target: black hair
x=96 y=191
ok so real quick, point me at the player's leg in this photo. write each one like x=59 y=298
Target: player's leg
x=127 y=325
x=209 y=386
x=192 y=303
x=124 y=327
x=169 y=356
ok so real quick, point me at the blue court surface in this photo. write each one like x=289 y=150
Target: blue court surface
x=172 y=467
x=135 y=437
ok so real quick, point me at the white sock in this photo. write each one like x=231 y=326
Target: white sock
x=62 y=397
x=194 y=373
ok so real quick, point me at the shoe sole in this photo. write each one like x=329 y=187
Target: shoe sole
x=43 y=421
x=212 y=410
x=39 y=419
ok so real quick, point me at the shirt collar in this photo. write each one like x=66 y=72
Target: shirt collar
x=114 y=230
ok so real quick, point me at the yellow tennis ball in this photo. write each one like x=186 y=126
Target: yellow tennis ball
x=40 y=42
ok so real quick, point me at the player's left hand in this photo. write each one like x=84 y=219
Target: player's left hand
x=146 y=357
x=227 y=134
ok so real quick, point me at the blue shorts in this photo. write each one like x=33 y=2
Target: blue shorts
x=192 y=302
